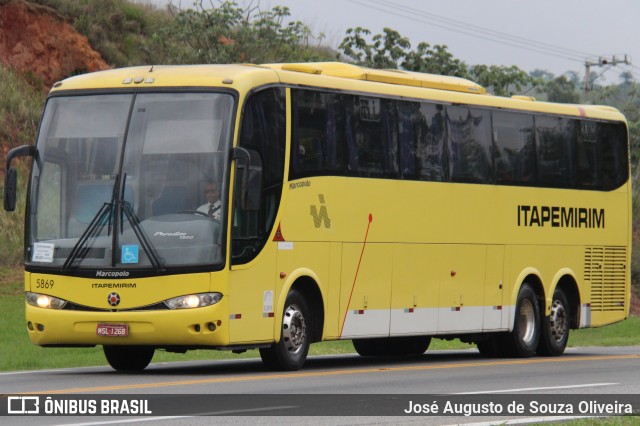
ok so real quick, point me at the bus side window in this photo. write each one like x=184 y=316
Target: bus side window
x=514 y=148
x=262 y=133
x=469 y=142
x=371 y=125
x=421 y=136
x=318 y=137
x=310 y=136
x=588 y=156
x=614 y=155
x=410 y=125
x=555 y=141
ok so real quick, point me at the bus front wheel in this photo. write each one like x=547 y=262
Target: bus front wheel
x=291 y=351
x=523 y=340
x=128 y=358
x=555 y=327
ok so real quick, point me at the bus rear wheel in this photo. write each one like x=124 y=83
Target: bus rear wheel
x=392 y=346
x=555 y=327
x=523 y=341
x=128 y=358
x=291 y=351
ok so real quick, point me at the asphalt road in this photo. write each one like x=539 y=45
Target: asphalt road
x=340 y=383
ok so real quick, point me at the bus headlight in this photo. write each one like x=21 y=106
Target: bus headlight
x=44 y=301
x=193 y=301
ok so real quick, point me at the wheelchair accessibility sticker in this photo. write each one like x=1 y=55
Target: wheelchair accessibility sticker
x=129 y=254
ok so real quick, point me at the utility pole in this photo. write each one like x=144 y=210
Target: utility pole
x=601 y=62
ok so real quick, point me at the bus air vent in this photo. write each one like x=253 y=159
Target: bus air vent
x=605 y=269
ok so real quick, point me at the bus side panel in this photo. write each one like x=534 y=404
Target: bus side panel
x=365 y=289
x=250 y=290
x=599 y=319
x=415 y=290
x=462 y=288
x=439 y=289
x=332 y=318
x=494 y=312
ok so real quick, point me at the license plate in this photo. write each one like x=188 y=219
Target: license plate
x=113 y=330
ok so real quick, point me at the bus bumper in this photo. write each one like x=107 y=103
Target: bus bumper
x=199 y=327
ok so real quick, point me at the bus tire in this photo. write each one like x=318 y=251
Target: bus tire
x=366 y=347
x=291 y=351
x=522 y=342
x=128 y=358
x=414 y=345
x=490 y=347
x=555 y=327
x=392 y=346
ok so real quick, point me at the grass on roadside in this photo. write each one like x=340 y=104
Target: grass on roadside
x=20 y=109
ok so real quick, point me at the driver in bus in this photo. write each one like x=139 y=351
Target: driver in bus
x=212 y=206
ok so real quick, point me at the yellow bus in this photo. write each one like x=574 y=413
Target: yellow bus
x=383 y=207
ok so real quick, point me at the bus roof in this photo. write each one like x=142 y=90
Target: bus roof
x=171 y=76
x=329 y=75
x=399 y=77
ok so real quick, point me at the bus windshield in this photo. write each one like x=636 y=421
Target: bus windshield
x=130 y=181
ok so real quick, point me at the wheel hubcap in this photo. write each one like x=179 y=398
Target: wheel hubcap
x=558 y=321
x=294 y=330
x=526 y=321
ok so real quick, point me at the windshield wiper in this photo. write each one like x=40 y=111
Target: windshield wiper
x=156 y=261
x=103 y=216
x=79 y=249
x=124 y=206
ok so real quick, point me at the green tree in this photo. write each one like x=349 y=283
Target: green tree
x=561 y=90
x=500 y=79
x=541 y=75
x=229 y=33
x=386 y=50
x=436 y=60
x=20 y=109
x=391 y=50
x=118 y=29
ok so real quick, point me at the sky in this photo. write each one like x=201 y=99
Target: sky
x=552 y=35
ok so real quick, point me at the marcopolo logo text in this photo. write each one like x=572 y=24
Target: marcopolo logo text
x=112 y=274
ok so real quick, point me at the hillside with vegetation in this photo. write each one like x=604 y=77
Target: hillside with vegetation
x=42 y=41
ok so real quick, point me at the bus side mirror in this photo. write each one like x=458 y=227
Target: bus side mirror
x=10 y=184
x=248 y=178
x=11 y=176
